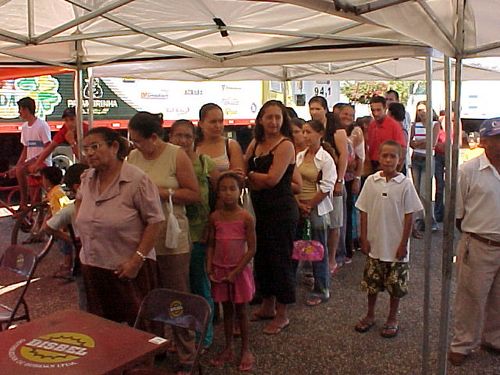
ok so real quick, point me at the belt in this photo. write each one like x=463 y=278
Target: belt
x=485 y=240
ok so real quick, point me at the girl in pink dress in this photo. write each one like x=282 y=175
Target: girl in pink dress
x=231 y=248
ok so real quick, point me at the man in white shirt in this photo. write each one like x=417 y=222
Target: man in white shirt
x=35 y=135
x=477 y=302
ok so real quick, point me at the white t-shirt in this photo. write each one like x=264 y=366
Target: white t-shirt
x=386 y=204
x=34 y=138
x=62 y=218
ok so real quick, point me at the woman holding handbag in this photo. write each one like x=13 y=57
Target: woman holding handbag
x=317 y=168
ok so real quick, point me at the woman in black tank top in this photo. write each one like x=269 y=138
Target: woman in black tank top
x=271 y=163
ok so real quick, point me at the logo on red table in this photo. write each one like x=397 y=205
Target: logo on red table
x=58 y=349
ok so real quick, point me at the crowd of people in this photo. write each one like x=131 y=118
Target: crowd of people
x=169 y=213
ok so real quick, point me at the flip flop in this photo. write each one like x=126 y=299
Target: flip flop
x=257 y=317
x=315 y=300
x=272 y=329
x=246 y=366
x=389 y=331
x=363 y=326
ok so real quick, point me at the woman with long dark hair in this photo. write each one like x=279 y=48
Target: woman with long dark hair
x=271 y=164
x=337 y=137
x=226 y=153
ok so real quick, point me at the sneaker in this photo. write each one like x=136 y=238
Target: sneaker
x=347 y=260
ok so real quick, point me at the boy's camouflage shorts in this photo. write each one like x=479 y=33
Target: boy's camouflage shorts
x=379 y=275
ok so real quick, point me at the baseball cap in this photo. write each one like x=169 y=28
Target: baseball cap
x=69 y=112
x=490 y=127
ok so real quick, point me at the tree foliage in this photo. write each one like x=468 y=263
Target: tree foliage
x=363 y=91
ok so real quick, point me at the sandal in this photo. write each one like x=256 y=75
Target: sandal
x=364 y=325
x=247 y=365
x=389 y=331
x=316 y=299
x=334 y=270
x=274 y=329
x=257 y=317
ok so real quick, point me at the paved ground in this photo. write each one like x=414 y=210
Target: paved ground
x=320 y=340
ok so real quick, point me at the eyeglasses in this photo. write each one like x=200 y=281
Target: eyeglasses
x=92 y=148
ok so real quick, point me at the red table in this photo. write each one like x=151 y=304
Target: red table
x=74 y=342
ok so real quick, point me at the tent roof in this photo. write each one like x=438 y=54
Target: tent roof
x=245 y=39
x=45 y=31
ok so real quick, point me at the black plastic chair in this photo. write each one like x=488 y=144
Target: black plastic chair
x=176 y=309
x=18 y=262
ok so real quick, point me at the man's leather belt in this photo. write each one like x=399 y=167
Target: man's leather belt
x=485 y=240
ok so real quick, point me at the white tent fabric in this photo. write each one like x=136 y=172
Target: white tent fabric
x=433 y=22
x=45 y=31
x=242 y=39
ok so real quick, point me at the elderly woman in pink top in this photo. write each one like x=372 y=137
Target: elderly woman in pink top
x=118 y=218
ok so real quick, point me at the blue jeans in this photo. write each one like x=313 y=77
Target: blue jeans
x=439 y=161
x=200 y=284
x=320 y=269
x=418 y=173
x=341 y=249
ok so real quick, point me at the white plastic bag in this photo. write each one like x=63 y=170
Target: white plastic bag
x=173 y=228
x=247 y=201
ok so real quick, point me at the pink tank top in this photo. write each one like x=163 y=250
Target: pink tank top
x=230 y=243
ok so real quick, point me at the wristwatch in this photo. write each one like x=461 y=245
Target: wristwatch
x=340 y=181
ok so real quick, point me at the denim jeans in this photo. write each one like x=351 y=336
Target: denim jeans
x=419 y=176
x=320 y=269
x=439 y=161
x=341 y=248
x=200 y=284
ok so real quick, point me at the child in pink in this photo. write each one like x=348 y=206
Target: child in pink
x=231 y=248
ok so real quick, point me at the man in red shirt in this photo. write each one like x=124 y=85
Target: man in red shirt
x=66 y=134
x=381 y=129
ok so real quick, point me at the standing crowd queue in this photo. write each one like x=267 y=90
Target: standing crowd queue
x=198 y=214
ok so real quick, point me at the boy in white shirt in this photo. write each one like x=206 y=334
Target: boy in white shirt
x=35 y=135
x=387 y=202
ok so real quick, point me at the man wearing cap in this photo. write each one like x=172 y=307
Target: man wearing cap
x=477 y=302
x=66 y=134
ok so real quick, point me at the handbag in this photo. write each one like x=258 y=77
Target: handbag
x=173 y=228
x=307 y=249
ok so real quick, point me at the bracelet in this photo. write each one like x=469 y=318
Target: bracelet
x=141 y=255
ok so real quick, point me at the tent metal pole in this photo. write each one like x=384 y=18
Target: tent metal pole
x=31 y=20
x=427 y=200
x=448 y=230
x=285 y=86
x=78 y=96
x=91 y=97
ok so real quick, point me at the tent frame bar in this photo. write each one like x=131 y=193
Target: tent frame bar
x=427 y=202
x=430 y=13
x=82 y=19
x=143 y=31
